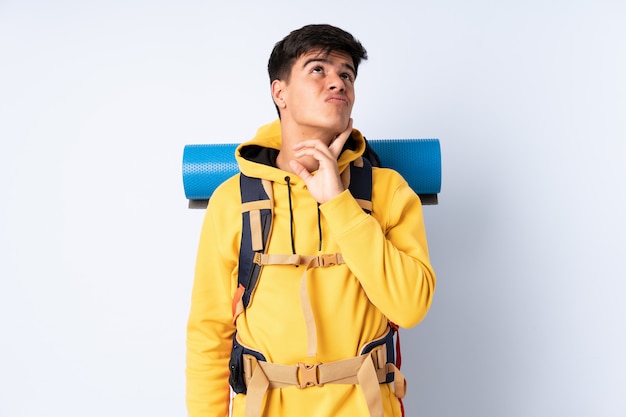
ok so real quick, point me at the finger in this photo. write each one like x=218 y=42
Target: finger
x=300 y=170
x=318 y=151
x=310 y=143
x=337 y=145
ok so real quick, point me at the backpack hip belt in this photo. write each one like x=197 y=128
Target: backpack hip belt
x=374 y=366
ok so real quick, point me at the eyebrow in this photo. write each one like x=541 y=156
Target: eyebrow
x=326 y=61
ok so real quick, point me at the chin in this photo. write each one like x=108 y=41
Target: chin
x=332 y=125
x=339 y=125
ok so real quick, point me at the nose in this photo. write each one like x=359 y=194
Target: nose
x=336 y=83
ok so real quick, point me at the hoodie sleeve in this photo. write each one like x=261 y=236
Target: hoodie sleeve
x=386 y=251
x=210 y=329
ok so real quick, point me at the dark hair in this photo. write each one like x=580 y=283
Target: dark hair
x=325 y=37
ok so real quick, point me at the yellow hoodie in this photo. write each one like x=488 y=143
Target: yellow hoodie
x=386 y=276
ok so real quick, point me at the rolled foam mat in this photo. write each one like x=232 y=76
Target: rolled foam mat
x=418 y=160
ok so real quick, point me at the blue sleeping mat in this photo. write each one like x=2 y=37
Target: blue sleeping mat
x=417 y=160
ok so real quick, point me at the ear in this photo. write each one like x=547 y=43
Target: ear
x=278 y=93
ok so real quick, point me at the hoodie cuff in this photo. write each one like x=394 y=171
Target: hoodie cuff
x=342 y=213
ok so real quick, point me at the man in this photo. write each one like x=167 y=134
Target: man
x=308 y=320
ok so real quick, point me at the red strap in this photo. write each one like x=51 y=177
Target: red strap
x=237 y=297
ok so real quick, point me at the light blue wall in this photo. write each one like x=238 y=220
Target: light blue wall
x=97 y=100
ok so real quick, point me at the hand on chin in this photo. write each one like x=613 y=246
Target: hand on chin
x=310 y=163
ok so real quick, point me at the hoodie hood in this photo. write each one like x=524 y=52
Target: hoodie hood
x=257 y=157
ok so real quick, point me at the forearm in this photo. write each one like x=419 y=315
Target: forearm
x=209 y=341
x=390 y=260
x=208 y=392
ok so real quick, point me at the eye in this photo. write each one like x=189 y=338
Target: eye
x=347 y=76
x=317 y=69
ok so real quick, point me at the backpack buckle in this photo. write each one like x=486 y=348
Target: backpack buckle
x=307 y=375
x=328 y=260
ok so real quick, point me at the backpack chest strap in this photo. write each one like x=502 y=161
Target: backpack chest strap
x=311 y=261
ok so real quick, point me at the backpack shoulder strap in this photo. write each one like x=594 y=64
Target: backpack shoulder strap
x=360 y=183
x=257 y=205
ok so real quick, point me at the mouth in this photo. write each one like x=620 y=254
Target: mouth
x=337 y=99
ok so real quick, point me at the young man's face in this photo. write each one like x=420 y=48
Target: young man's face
x=319 y=94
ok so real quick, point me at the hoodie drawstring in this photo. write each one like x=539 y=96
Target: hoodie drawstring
x=293 y=243
x=319 y=220
x=319 y=228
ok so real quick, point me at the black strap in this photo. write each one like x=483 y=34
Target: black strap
x=251 y=190
x=361 y=182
